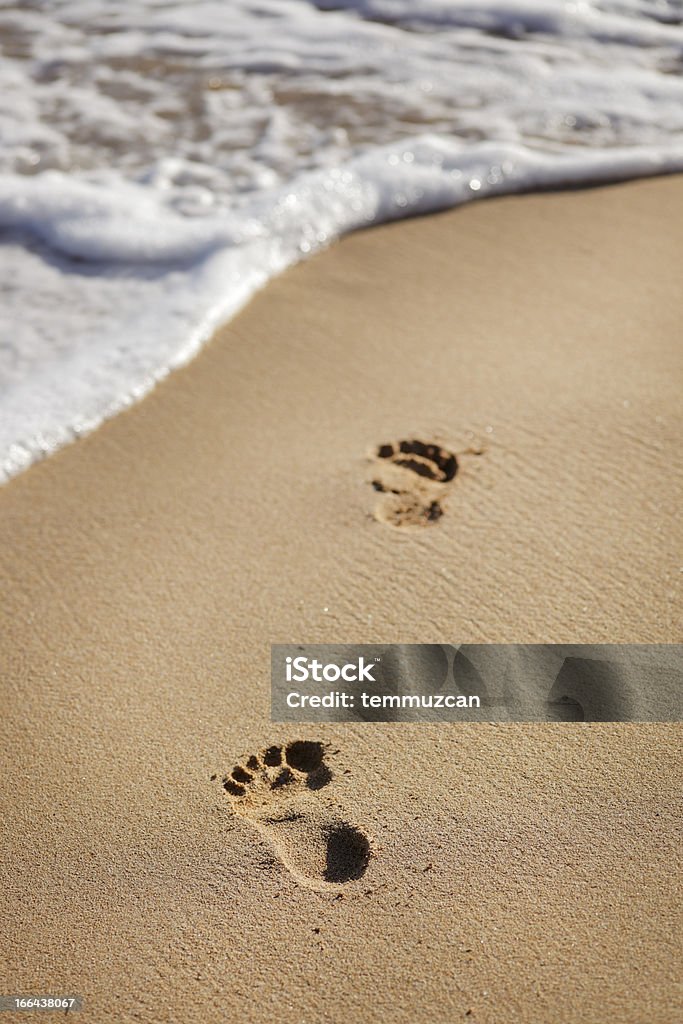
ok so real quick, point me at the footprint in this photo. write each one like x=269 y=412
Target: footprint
x=274 y=790
x=413 y=477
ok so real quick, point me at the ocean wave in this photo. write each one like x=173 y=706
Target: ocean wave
x=161 y=162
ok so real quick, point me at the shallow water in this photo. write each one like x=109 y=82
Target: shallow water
x=160 y=161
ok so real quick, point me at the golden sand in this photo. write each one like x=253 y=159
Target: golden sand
x=513 y=873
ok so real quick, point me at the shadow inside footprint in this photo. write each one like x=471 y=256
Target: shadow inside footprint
x=348 y=853
x=307 y=757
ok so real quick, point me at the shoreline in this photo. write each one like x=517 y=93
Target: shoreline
x=18 y=454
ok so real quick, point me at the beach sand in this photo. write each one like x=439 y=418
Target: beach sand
x=517 y=872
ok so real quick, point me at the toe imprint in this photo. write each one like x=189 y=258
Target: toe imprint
x=414 y=478
x=277 y=792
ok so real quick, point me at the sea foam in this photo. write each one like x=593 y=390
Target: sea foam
x=161 y=162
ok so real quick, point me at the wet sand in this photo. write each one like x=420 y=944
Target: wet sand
x=516 y=872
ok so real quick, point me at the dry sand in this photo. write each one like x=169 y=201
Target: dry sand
x=517 y=873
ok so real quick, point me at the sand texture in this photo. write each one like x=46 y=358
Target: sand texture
x=296 y=483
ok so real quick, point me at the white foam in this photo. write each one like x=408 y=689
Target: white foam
x=162 y=162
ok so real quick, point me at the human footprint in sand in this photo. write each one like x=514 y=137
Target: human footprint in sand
x=278 y=792
x=413 y=477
